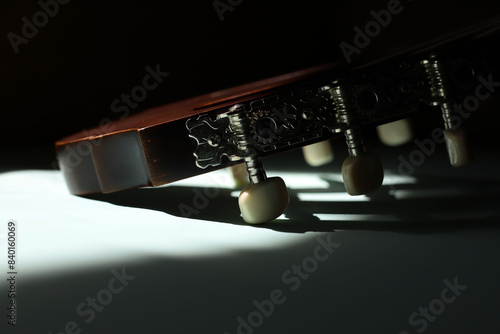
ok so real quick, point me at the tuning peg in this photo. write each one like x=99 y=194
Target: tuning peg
x=456 y=139
x=458 y=147
x=455 y=136
x=362 y=173
x=318 y=154
x=264 y=201
x=240 y=175
x=395 y=133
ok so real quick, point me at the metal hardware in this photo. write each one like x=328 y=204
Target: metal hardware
x=440 y=94
x=240 y=125
x=303 y=116
x=212 y=143
x=354 y=139
x=290 y=119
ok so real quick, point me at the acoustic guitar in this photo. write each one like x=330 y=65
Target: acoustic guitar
x=302 y=109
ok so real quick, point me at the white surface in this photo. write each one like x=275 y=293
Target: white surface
x=59 y=231
x=397 y=247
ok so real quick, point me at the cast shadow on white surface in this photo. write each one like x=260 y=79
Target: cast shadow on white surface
x=319 y=203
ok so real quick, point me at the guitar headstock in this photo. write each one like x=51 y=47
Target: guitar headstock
x=300 y=110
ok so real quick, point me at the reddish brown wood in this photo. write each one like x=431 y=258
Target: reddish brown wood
x=204 y=103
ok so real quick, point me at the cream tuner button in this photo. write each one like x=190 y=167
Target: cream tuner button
x=362 y=173
x=264 y=201
x=318 y=154
x=395 y=133
x=458 y=147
